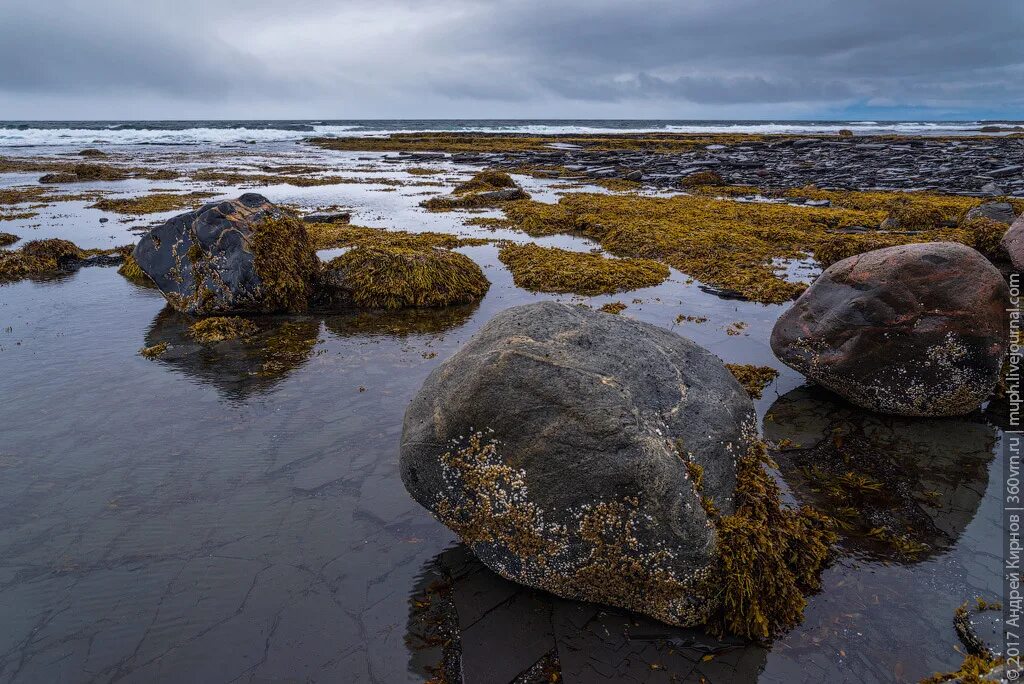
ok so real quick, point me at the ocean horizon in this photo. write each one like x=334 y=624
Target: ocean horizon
x=235 y=131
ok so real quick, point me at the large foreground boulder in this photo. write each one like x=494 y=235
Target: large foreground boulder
x=915 y=330
x=563 y=446
x=240 y=255
x=1013 y=243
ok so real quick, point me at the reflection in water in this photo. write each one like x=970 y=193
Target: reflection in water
x=467 y=624
x=423 y=321
x=899 y=488
x=241 y=367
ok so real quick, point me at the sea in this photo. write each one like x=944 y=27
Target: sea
x=63 y=133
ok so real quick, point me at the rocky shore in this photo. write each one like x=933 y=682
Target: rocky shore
x=976 y=166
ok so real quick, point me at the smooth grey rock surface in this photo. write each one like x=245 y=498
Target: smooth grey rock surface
x=585 y=409
x=997 y=211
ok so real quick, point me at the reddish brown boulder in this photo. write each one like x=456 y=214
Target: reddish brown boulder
x=1013 y=243
x=915 y=330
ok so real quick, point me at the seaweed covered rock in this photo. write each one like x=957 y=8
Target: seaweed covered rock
x=395 y=277
x=917 y=330
x=1013 y=243
x=240 y=255
x=485 y=189
x=996 y=211
x=39 y=258
x=609 y=460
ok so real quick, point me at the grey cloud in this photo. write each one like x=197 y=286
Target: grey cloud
x=513 y=57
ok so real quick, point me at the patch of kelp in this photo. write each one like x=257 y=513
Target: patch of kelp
x=131 y=270
x=286 y=263
x=899 y=489
x=770 y=555
x=388 y=277
x=753 y=378
x=243 y=178
x=8 y=239
x=550 y=269
x=42 y=258
x=333 y=235
x=979 y=662
x=222 y=328
x=731 y=244
x=487 y=188
x=265 y=350
x=153 y=203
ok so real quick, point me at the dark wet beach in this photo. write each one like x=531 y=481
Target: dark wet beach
x=225 y=515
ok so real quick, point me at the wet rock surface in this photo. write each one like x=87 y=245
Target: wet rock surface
x=976 y=166
x=1013 y=243
x=997 y=211
x=917 y=330
x=902 y=489
x=237 y=255
x=561 y=394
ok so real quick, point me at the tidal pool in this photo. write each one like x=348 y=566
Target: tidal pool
x=234 y=513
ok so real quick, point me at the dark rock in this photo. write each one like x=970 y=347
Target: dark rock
x=337 y=217
x=918 y=330
x=504 y=195
x=1013 y=243
x=1006 y=171
x=555 y=421
x=997 y=211
x=236 y=255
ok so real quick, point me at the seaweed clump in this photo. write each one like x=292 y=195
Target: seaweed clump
x=8 y=239
x=487 y=188
x=979 y=662
x=734 y=245
x=484 y=181
x=331 y=235
x=701 y=178
x=154 y=351
x=285 y=262
x=130 y=268
x=77 y=173
x=382 y=277
x=221 y=328
x=753 y=378
x=152 y=204
x=550 y=269
x=38 y=258
x=913 y=216
x=770 y=555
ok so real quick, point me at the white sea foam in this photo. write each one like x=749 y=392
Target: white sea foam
x=26 y=134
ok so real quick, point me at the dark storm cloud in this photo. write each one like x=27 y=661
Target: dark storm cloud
x=515 y=57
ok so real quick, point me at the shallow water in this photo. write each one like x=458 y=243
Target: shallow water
x=231 y=515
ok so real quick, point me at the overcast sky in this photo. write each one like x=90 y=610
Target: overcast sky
x=163 y=59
